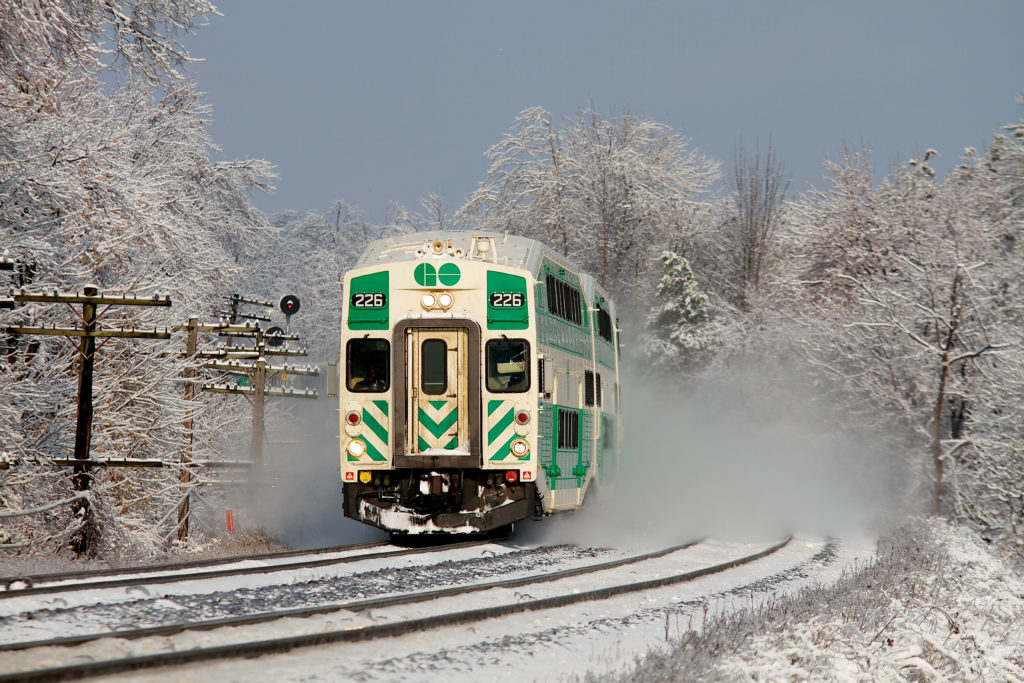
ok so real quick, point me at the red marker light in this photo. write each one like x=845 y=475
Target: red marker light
x=522 y=417
x=512 y=476
x=353 y=417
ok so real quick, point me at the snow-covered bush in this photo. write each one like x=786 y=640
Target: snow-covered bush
x=936 y=604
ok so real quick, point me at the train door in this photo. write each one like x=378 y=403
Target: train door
x=437 y=391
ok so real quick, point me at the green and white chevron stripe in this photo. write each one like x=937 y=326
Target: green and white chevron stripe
x=500 y=429
x=375 y=432
x=436 y=420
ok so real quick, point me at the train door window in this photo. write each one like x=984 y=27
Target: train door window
x=434 y=367
x=508 y=365
x=568 y=429
x=588 y=388
x=368 y=365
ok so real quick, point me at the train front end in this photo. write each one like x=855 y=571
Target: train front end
x=437 y=398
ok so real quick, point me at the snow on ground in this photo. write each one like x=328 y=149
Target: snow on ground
x=48 y=610
x=550 y=644
x=938 y=604
x=935 y=603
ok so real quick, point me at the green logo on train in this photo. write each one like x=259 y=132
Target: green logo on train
x=427 y=276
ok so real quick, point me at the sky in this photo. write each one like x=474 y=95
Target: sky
x=372 y=102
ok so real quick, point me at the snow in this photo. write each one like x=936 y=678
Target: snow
x=935 y=603
x=29 y=630
x=940 y=606
x=551 y=644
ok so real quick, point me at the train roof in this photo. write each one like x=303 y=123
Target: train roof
x=508 y=250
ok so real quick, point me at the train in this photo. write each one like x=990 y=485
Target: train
x=478 y=384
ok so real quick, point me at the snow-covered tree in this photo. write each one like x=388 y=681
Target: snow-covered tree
x=117 y=189
x=758 y=193
x=611 y=194
x=899 y=288
x=679 y=336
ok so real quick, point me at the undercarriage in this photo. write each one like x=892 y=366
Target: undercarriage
x=414 y=501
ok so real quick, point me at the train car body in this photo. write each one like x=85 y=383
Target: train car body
x=479 y=384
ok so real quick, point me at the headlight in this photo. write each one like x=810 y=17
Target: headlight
x=520 y=448
x=428 y=301
x=446 y=300
x=356 y=448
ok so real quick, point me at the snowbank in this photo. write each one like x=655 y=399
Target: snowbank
x=937 y=604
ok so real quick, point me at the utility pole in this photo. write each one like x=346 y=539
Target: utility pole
x=259 y=372
x=191 y=343
x=90 y=298
x=245 y=362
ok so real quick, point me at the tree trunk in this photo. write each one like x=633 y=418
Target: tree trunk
x=936 y=446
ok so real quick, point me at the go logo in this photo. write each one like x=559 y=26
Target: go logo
x=446 y=276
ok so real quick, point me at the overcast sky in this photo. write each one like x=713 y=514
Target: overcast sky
x=376 y=101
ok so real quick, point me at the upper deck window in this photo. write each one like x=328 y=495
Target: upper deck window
x=564 y=300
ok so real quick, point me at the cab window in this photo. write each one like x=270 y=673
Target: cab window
x=368 y=365
x=508 y=365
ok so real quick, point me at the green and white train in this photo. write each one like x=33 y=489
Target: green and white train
x=480 y=384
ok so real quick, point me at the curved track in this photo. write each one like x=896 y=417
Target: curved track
x=183 y=571
x=394 y=627
x=9 y=584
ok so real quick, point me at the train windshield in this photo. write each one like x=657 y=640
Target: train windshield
x=368 y=365
x=508 y=365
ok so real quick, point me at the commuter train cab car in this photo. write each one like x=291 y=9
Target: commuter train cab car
x=479 y=384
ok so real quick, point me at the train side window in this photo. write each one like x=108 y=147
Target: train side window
x=568 y=429
x=588 y=388
x=540 y=375
x=434 y=367
x=599 y=388
x=604 y=324
x=508 y=365
x=564 y=300
x=368 y=365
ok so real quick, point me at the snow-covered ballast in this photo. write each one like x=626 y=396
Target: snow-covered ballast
x=471 y=383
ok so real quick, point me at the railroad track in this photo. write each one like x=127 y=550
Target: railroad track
x=65 y=583
x=397 y=627
x=34 y=580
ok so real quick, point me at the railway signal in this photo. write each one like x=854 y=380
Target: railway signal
x=289 y=304
x=88 y=332
x=275 y=336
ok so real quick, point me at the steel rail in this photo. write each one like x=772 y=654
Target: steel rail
x=33 y=579
x=358 y=634
x=352 y=606
x=220 y=573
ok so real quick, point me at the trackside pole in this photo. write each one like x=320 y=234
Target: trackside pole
x=85 y=537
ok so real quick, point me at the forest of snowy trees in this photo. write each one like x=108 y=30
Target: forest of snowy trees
x=898 y=298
